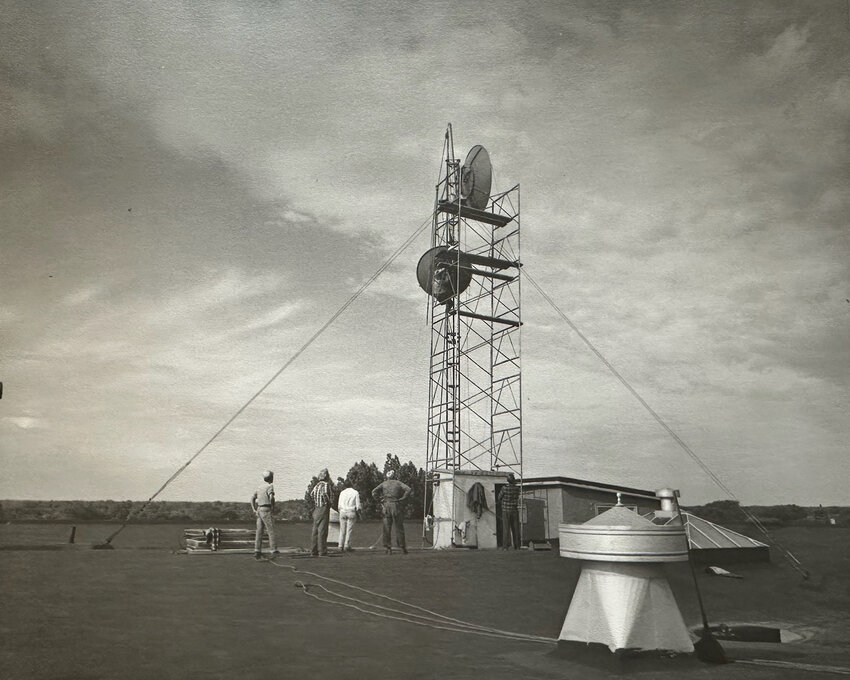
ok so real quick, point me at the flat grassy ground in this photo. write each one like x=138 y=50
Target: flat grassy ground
x=143 y=610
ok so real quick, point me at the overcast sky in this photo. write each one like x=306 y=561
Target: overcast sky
x=188 y=192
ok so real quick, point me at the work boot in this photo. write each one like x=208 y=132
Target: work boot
x=258 y=556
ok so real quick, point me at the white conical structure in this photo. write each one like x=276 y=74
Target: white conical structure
x=623 y=599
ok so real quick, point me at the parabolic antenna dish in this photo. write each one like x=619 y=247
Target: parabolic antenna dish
x=475 y=178
x=439 y=275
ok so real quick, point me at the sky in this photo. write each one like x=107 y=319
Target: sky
x=190 y=191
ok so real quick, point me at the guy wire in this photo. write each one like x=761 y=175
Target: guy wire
x=795 y=563
x=398 y=251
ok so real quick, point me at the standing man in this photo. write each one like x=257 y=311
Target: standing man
x=322 y=497
x=509 y=500
x=349 y=513
x=392 y=494
x=262 y=503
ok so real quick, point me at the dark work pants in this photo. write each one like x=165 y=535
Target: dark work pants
x=394 y=516
x=510 y=529
x=319 y=535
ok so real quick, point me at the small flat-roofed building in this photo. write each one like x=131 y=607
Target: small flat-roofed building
x=465 y=512
x=550 y=501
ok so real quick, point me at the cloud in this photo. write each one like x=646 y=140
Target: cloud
x=83 y=295
x=786 y=58
x=25 y=422
x=192 y=194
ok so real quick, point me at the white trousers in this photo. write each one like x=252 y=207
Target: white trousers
x=347 y=520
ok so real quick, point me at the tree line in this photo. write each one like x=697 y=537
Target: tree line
x=157 y=511
x=730 y=512
x=363 y=476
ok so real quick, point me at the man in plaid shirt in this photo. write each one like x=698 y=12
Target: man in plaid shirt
x=322 y=496
x=509 y=500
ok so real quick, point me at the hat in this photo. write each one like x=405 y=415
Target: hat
x=390 y=474
x=267 y=473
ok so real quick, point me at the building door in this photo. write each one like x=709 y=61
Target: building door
x=498 y=489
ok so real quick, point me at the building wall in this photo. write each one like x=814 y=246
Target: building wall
x=455 y=524
x=551 y=512
x=581 y=504
x=576 y=504
x=534 y=520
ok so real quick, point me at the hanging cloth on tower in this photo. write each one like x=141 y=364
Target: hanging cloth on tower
x=476 y=499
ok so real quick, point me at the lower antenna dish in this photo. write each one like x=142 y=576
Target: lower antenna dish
x=439 y=275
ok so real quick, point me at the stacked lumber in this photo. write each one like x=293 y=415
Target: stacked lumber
x=222 y=540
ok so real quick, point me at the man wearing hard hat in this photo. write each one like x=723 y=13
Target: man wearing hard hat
x=262 y=502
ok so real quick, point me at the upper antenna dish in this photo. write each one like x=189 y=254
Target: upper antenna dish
x=475 y=178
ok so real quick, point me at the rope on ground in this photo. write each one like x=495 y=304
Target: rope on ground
x=377 y=540
x=457 y=626
x=795 y=563
x=443 y=622
x=409 y=618
x=795 y=666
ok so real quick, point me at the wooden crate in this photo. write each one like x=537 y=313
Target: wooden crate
x=228 y=540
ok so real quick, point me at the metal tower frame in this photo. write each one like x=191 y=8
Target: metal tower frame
x=475 y=387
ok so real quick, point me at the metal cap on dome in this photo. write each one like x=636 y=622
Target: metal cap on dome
x=667 y=493
x=621 y=535
x=668 y=502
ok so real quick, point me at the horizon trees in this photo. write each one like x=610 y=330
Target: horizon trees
x=364 y=477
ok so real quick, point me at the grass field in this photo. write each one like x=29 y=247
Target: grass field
x=144 y=610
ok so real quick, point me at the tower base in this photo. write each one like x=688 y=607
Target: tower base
x=457 y=522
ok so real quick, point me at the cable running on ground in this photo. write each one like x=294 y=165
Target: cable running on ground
x=793 y=665
x=444 y=622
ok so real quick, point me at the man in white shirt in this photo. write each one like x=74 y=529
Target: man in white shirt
x=262 y=503
x=349 y=513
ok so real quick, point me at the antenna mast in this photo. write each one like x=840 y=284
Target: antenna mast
x=472 y=273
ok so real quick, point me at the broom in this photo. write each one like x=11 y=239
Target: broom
x=707 y=648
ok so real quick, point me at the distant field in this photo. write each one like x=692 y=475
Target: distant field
x=170 y=536
x=143 y=610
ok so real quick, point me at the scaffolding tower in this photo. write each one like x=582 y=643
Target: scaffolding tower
x=474 y=395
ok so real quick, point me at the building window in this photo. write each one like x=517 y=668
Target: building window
x=602 y=507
